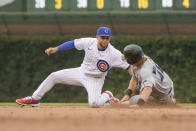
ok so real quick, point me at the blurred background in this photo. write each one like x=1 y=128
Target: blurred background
x=166 y=30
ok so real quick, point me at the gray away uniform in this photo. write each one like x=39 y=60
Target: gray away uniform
x=150 y=74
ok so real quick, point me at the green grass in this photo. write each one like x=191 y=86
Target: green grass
x=77 y=104
x=64 y=104
x=187 y=104
x=48 y=104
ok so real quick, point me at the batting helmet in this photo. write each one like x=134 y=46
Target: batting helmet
x=133 y=53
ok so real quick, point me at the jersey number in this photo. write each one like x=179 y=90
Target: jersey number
x=157 y=70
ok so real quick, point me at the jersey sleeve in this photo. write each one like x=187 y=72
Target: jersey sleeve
x=118 y=60
x=83 y=43
x=147 y=78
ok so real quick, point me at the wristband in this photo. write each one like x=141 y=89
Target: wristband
x=140 y=102
x=128 y=92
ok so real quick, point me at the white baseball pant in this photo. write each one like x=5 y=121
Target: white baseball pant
x=75 y=76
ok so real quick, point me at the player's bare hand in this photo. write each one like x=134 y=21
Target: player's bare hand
x=125 y=98
x=51 y=50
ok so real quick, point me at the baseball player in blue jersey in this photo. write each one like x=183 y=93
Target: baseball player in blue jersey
x=153 y=84
x=100 y=56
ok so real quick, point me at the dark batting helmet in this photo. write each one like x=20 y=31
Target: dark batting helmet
x=133 y=53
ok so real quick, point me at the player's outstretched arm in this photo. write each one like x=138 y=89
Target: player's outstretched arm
x=131 y=89
x=65 y=46
x=146 y=93
x=51 y=50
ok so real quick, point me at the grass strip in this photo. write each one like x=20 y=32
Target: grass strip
x=76 y=104
x=47 y=104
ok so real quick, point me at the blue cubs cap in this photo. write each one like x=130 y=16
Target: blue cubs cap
x=104 y=31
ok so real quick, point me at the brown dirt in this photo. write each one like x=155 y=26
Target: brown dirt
x=83 y=118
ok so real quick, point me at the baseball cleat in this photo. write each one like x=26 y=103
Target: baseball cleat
x=112 y=98
x=28 y=101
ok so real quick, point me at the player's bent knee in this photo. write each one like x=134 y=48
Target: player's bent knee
x=134 y=99
x=54 y=77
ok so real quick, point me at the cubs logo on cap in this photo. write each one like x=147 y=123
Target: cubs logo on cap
x=102 y=65
x=104 y=31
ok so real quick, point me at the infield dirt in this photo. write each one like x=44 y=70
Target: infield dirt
x=84 y=118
